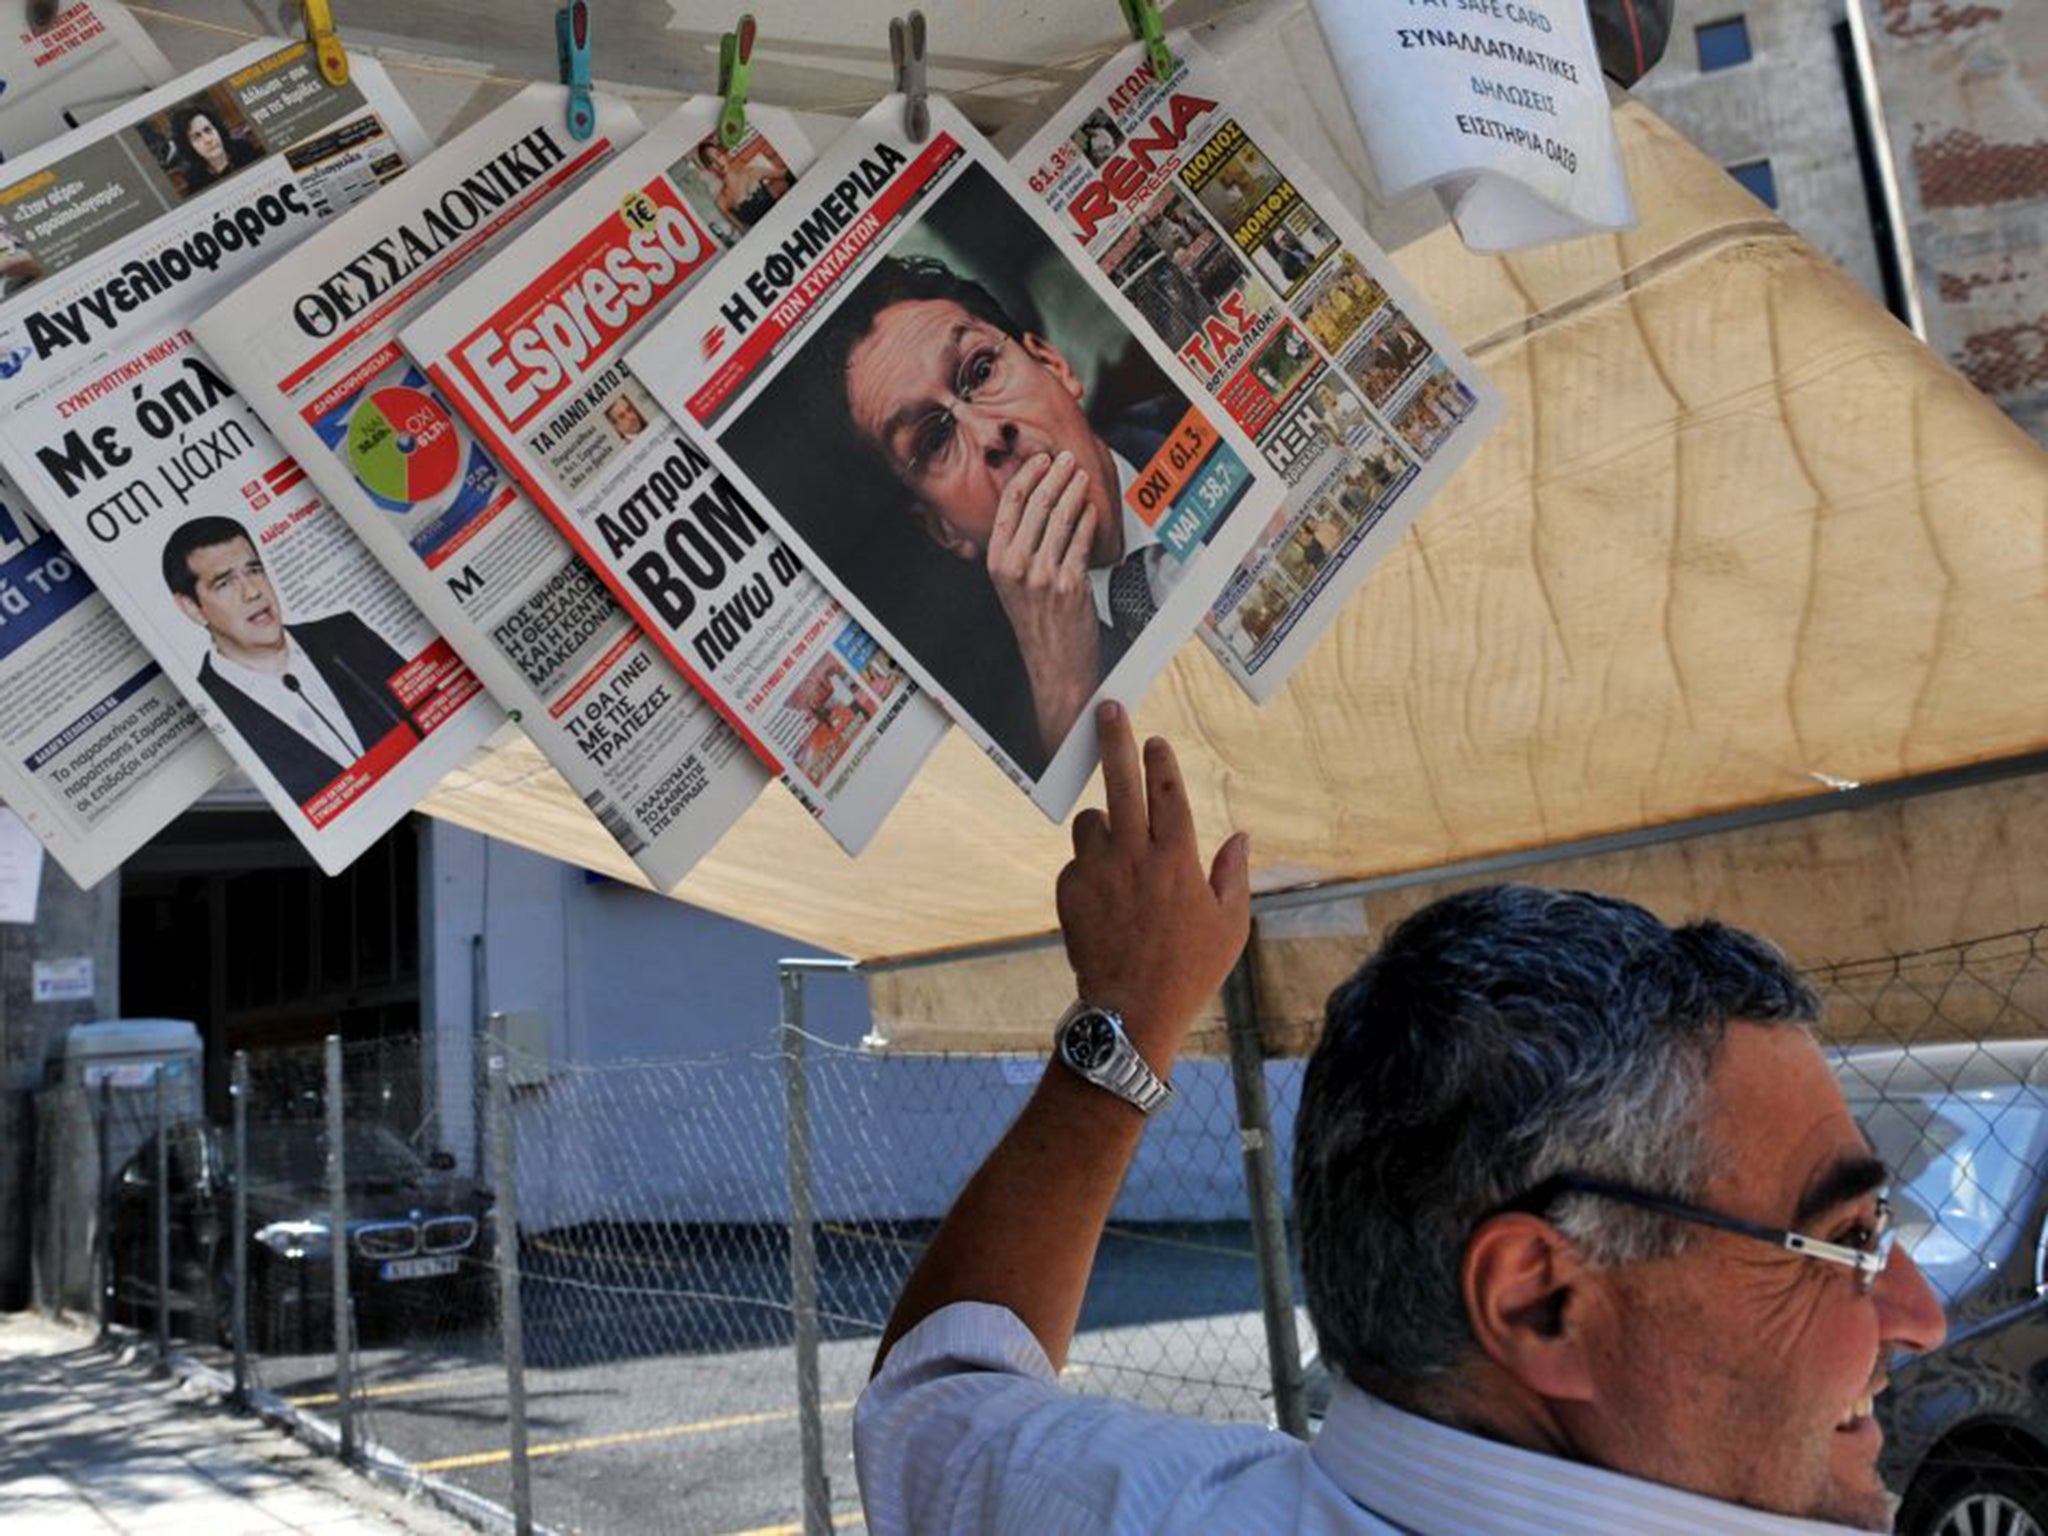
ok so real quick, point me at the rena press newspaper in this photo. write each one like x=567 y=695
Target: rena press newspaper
x=968 y=433
x=106 y=233
x=314 y=347
x=87 y=61
x=301 y=656
x=530 y=351
x=1283 y=311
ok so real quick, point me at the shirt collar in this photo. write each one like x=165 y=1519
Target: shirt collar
x=1431 y=1479
x=240 y=671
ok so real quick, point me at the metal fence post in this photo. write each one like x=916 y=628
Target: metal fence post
x=511 y=1323
x=803 y=1254
x=101 y=1260
x=1262 y=1186
x=163 y=1219
x=337 y=1250
x=238 y=1298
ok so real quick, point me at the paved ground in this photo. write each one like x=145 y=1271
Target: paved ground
x=92 y=1442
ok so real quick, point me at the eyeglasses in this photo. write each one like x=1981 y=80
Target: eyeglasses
x=1868 y=1258
x=982 y=375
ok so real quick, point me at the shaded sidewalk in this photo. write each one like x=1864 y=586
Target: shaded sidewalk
x=93 y=1442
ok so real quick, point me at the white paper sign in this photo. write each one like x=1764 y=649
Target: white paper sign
x=1498 y=104
x=62 y=981
x=21 y=869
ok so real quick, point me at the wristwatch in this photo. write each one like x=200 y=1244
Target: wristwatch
x=1092 y=1043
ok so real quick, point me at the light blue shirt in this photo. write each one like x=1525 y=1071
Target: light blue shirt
x=966 y=1430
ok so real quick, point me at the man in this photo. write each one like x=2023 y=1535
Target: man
x=1543 y=1156
x=985 y=425
x=625 y=417
x=308 y=698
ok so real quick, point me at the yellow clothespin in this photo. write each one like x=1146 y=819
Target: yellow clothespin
x=735 y=67
x=906 y=47
x=326 y=42
x=1149 y=28
x=572 y=53
x=41 y=13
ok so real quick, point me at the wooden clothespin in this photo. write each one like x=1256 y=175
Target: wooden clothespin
x=735 y=67
x=572 y=52
x=41 y=13
x=906 y=47
x=1149 y=28
x=326 y=42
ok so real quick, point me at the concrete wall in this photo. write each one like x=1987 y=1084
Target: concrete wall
x=1787 y=105
x=662 y=1098
x=69 y=922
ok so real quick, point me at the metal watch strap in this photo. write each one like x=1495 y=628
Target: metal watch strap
x=1127 y=1074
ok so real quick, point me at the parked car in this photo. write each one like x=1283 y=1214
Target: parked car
x=420 y=1237
x=1965 y=1130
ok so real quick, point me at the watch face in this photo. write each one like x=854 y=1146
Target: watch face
x=1091 y=1042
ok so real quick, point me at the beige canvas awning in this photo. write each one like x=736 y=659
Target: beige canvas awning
x=1742 y=538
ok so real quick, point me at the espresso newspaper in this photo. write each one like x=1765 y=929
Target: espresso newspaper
x=314 y=347
x=302 y=657
x=968 y=433
x=92 y=57
x=530 y=352
x=109 y=231
x=1283 y=312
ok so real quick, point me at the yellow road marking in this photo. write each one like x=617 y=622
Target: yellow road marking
x=625 y=1437
x=395 y=1389
x=845 y=1517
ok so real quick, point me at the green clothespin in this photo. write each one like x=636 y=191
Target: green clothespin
x=1149 y=28
x=735 y=66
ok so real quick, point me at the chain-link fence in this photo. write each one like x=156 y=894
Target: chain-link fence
x=707 y=1248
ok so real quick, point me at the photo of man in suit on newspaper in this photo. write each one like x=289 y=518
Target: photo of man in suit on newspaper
x=310 y=698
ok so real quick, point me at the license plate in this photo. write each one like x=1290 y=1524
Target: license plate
x=416 y=1269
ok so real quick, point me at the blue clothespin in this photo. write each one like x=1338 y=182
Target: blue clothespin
x=735 y=66
x=906 y=48
x=572 y=50
x=326 y=42
x=1149 y=28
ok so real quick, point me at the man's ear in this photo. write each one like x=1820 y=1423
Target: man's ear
x=189 y=608
x=1050 y=358
x=1529 y=1298
x=941 y=533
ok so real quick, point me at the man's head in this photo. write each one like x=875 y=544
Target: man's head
x=936 y=379
x=199 y=135
x=1503 y=1037
x=219 y=583
x=625 y=417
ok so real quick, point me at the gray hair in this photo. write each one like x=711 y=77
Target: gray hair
x=1498 y=1037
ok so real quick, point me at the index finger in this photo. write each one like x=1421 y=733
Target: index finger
x=1122 y=782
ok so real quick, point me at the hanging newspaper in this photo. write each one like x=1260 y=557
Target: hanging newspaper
x=318 y=677
x=90 y=58
x=530 y=350
x=967 y=433
x=1285 y=313
x=315 y=349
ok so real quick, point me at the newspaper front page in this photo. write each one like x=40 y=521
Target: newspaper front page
x=968 y=433
x=315 y=348
x=1284 y=312
x=530 y=352
x=302 y=657
x=90 y=58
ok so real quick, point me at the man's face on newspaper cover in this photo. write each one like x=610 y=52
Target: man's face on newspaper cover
x=956 y=408
x=235 y=600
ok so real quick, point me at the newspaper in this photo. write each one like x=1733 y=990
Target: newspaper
x=969 y=434
x=658 y=768
x=302 y=657
x=530 y=352
x=88 y=60
x=1284 y=312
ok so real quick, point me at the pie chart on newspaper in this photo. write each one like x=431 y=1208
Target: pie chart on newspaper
x=404 y=446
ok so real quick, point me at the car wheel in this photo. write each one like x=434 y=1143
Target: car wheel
x=1989 y=1497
